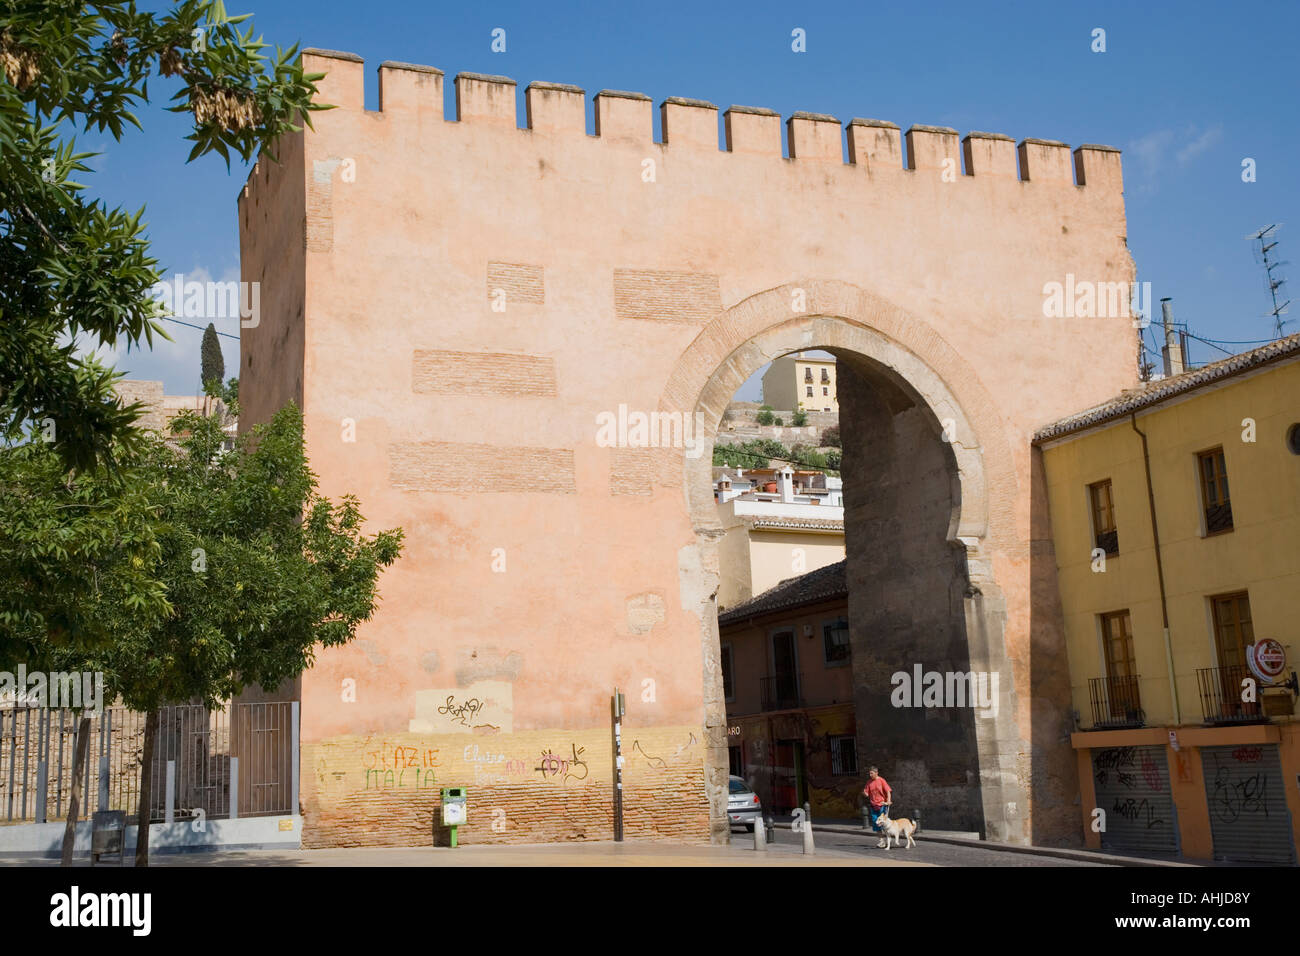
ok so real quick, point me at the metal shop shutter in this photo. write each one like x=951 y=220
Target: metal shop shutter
x=1132 y=786
x=1249 y=819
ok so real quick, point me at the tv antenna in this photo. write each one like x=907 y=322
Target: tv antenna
x=1267 y=239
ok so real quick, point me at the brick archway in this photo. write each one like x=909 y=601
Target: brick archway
x=907 y=355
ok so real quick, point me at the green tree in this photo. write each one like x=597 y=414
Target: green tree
x=71 y=269
x=809 y=457
x=212 y=364
x=79 y=556
x=756 y=453
x=259 y=568
x=764 y=416
x=799 y=419
x=240 y=569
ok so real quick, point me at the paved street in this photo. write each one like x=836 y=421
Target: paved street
x=833 y=849
x=926 y=851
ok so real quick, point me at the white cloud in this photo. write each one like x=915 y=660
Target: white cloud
x=175 y=362
x=1153 y=153
x=1199 y=144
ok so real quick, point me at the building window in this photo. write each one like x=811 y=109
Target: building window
x=1105 y=534
x=835 y=641
x=727 y=685
x=736 y=764
x=1233 y=631
x=807 y=375
x=809 y=387
x=1213 y=470
x=844 y=755
x=826 y=391
x=1117 y=637
x=825 y=377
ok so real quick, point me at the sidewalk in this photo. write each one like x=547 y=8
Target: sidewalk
x=957 y=838
x=630 y=853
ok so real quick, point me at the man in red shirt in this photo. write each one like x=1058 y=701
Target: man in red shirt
x=879 y=797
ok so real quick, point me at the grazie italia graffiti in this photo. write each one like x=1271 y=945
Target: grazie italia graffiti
x=387 y=766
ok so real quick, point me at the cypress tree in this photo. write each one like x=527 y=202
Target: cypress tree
x=213 y=364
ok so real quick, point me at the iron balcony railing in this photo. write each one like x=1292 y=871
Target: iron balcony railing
x=780 y=693
x=1116 y=702
x=1218 y=518
x=1221 y=693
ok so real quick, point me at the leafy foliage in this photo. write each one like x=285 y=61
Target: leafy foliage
x=764 y=452
x=73 y=270
x=217 y=569
x=755 y=453
x=79 y=555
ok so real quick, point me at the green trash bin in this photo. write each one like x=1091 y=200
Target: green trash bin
x=454 y=808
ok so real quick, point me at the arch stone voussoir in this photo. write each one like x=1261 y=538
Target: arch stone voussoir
x=840 y=315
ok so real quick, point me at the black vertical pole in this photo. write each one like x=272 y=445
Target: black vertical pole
x=617 y=708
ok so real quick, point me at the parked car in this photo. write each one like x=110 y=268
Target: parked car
x=743 y=805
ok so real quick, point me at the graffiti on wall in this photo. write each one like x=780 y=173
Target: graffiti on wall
x=415 y=779
x=568 y=768
x=661 y=763
x=1240 y=788
x=484 y=707
x=1129 y=768
x=389 y=765
x=492 y=767
x=462 y=711
x=396 y=756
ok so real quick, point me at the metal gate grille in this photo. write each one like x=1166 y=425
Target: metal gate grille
x=1249 y=819
x=1132 y=787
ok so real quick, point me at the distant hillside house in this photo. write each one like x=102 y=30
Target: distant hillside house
x=162 y=409
x=794 y=382
x=776 y=526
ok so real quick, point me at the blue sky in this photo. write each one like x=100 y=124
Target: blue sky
x=1187 y=91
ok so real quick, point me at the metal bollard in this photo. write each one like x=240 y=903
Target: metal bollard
x=808 y=838
x=760 y=835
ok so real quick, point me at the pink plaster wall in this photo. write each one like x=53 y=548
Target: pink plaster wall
x=361 y=275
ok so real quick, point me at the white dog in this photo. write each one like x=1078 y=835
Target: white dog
x=898 y=829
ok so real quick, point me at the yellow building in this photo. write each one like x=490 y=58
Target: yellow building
x=794 y=382
x=1175 y=513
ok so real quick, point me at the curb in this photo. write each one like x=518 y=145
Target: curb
x=1080 y=856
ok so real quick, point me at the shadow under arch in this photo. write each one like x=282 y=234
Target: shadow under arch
x=918 y=533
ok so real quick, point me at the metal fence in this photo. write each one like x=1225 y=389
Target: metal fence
x=241 y=760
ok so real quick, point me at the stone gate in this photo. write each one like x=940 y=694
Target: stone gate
x=456 y=305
